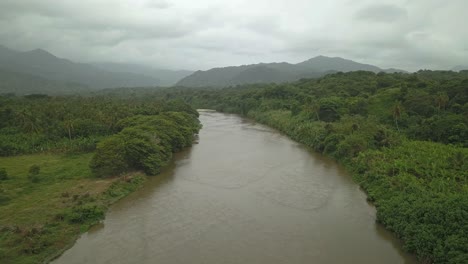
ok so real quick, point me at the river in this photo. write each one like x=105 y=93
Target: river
x=244 y=194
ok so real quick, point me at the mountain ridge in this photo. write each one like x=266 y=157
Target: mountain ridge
x=275 y=72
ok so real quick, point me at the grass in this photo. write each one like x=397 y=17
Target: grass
x=38 y=220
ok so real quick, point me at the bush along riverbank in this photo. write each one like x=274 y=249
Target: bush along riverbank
x=402 y=136
x=55 y=192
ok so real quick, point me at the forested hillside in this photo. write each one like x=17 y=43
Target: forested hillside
x=403 y=136
x=64 y=160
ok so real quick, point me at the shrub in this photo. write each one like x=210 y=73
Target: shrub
x=4 y=198
x=86 y=214
x=3 y=174
x=34 y=171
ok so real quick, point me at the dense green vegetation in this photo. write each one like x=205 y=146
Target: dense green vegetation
x=404 y=137
x=75 y=148
x=36 y=123
x=145 y=143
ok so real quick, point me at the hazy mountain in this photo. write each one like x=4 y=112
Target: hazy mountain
x=393 y=70
x=213 y=77
x=166 y=77
x=43 y=64
x=323 y=64
x=261 y=74
x=460 y=68
x=275 y=72
x=21 y=84
x=6 y=53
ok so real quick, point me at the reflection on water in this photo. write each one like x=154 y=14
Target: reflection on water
x=244 y=194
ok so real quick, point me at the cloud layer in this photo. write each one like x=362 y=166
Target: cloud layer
x=187 y=34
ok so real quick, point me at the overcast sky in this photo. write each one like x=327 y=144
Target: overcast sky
x=201 y=34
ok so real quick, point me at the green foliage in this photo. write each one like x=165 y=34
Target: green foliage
x=425 y=199
x=109 y=158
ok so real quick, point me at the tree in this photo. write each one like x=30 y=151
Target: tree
x=329 y=108
x=109 y=159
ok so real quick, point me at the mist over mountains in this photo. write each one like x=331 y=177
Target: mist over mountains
x=19 y=70
x=20 y=83
x=164 y=77
x=38 y=71
x=43 y=64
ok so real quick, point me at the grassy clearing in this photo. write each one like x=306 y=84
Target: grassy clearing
x=39 y=219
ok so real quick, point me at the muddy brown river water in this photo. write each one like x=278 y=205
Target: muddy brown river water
x=244 y=194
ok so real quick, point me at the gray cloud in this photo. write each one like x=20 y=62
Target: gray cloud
x=157 y=4
x=381 y=13
x=209 y=33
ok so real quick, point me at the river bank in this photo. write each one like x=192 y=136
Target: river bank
x=418 y=187
x=41 y=219
x=64 y=160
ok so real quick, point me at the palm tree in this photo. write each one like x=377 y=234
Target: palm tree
x=441 y=100
x=397 y=109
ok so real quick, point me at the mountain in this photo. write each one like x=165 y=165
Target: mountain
x=43 y=64
x=260 y=74
x=323 y=64
x=275 y=72
x=23 y=84
x=166 y=77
